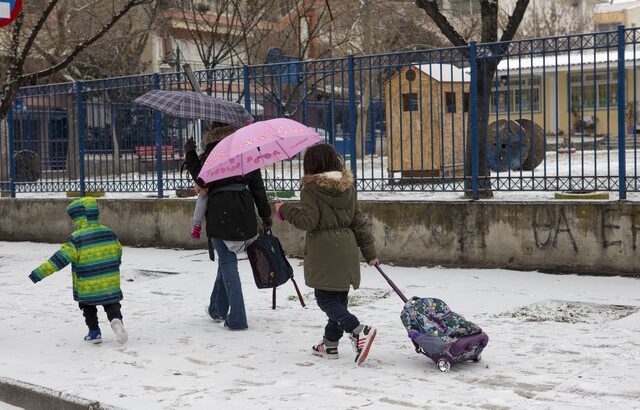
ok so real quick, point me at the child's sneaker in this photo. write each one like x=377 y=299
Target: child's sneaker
x=326 y=349
x=195 y=232
x=362 y=338
x=94 y=336
x=121 y=333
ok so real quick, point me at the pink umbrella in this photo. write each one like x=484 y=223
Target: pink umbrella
x=257 y=145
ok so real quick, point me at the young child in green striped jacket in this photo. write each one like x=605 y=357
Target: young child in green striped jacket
x=95 y=253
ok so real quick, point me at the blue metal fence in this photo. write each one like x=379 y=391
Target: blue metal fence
x=562 y=114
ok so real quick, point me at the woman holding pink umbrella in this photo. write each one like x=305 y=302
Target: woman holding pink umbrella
x=231 y=222
x=231 y=173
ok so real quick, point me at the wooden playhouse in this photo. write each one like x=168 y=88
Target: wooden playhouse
x=426 y=117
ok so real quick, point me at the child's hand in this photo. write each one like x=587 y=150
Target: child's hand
x=277 y=206
x=374 y=262
x=199 y=190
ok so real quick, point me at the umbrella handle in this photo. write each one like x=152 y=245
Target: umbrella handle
x=275 y=194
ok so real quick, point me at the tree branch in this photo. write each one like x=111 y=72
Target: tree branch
x=15 y=69
x=514 y=20
x=432 y=10
x=36 y=30
x=82 y=46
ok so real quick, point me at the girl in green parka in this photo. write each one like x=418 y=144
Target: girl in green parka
x=330 y=215
x=95 y=254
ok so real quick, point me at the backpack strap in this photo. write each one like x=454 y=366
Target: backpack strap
x=273 y=298
x=297 y=291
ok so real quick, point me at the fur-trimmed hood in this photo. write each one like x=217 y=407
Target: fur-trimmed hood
x=333 y=180
x=218 y=133
x=334 y=187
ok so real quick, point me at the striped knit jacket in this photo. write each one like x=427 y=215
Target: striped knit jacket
x=94 y=253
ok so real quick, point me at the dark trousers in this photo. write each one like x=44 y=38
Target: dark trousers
x=334 y=304
x=90 y=313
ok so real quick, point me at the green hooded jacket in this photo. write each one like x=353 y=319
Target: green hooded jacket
x=93 y=251
x=330 y=214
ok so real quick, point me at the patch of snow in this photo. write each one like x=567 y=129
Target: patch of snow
x=177 y=357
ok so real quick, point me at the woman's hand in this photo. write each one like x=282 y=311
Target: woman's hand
x=189 y=146
x=374 y=262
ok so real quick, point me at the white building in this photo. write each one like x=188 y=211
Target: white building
x=609 y=16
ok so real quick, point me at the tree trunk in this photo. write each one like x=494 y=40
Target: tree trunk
x=4 y=150
x=363 y=111
x=73 y=149
x=486 y=71
x=363 y=121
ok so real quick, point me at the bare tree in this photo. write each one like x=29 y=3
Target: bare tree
x=369 y=27
x=297 y=28
x=222 y=31
x=486 y=65
x=554 y=18
x=118 y=52
x=29 y=29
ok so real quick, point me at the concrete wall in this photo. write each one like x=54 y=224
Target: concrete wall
x=575 y=237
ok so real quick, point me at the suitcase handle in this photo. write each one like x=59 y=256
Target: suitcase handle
x=390 y=282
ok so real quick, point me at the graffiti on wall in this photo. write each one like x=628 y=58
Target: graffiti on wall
x=552 y=228
x=547 y=229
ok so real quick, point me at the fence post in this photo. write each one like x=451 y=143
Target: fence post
x=473 y=120
x=247 y=87
x=158 y=133
x=80 y=137
x=353 y=120
x=11 y=150
x=622 y=170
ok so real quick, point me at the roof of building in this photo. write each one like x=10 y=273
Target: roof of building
x=616 y=6
x=564 y=60
x=444 y=72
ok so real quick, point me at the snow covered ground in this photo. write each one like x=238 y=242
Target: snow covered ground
x=588 y=169
x=543 y=351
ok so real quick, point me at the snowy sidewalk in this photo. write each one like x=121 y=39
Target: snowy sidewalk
x=542 y=352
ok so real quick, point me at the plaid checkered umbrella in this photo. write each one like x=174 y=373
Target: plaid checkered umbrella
x=197 y=106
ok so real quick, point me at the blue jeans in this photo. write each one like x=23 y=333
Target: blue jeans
x=227 y=302
x=334 y=304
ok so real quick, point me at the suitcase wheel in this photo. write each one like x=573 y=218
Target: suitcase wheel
x=443 y=365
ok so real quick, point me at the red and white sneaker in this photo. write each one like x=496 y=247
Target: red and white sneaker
x=321 y=349
x=362 y=343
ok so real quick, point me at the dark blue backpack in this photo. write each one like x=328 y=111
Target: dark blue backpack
x=270 y=265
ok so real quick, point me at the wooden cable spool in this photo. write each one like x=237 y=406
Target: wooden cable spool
x=536 y=146
x=27 y=166
x=508 y=146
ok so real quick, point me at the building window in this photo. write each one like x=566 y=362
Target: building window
x=594 y=90
x=450 y=102
x=516 y=94
x=410 y=102
x=607 y=27
x=459 y=8
x=465 y=102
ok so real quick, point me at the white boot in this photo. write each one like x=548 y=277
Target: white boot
x=121 y=333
